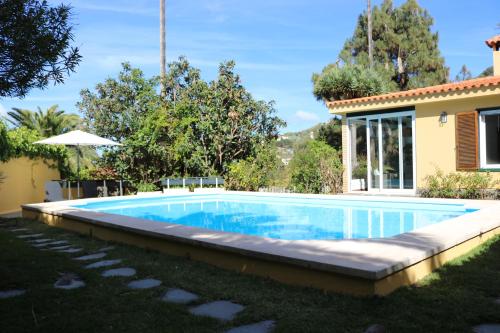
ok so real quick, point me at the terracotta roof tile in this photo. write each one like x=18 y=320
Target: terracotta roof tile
x=493 y=42
x=442 y=88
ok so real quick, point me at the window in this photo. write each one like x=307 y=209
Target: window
x=490 y=139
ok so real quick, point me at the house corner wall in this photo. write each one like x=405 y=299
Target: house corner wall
x=345 y=155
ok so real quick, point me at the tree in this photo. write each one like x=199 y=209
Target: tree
x=331 y=133
x=34 y=46
x=464 y=74
x=404 y=45
x=197 y=128
x=254 y=172
x=47 y=123
x=348 y=81
x=316 y=168
x=487 y=72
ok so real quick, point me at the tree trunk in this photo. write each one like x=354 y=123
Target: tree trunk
x=163 y=51
x=370 y=37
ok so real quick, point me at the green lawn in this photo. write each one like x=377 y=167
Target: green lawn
x=453 y=299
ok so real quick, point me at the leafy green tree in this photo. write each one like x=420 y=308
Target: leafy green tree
x=316 y=168
x=404 y=45
x=331 y=133
x=347 y=82
x=35 y=46
x=194 y=128
x=487 y=72
x=48 y=123
x=254 y=172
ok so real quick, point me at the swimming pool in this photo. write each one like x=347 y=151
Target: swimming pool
x=285 y=217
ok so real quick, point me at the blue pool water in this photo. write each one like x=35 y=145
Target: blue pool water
x=292 y=218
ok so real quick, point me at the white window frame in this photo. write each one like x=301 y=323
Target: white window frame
x=482 y=140
x=379 y=117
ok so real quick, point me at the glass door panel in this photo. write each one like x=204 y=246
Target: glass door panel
x=374 y=154
x=407 y=138
x=390 y=153
x=359 y=173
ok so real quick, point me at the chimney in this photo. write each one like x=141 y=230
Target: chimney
x=494 y=43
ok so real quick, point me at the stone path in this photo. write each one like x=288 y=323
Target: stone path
x=58 y=248
x=260 y=327
x=222 y=310
x=124 y=271
x=486 y=328
x=144 y=284
x=38 y=241
x=91 y=256
x=71 y=250
x=11 y=293
x=30 y=236
x=20 y=229
x=69 y=281
x=179 y=296
x=104 y=249
x=103 y=263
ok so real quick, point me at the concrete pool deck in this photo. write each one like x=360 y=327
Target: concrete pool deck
x=356 y=266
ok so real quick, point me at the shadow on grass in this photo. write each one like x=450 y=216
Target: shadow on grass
x=452 y=299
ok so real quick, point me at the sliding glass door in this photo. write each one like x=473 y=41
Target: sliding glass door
x=381 y=152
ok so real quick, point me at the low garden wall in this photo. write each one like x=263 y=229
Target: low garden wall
x=24 y=181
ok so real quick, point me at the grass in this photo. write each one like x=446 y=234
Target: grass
x=453 y=299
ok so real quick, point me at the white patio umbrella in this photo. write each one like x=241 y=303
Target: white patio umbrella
x=78 y=138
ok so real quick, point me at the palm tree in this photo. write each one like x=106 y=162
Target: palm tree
x=49 y=123
x=163 y=51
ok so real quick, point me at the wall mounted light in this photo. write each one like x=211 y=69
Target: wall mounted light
x=443 y=117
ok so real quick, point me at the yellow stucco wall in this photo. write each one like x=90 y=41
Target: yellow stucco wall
x=24 y=182
x=435 y=142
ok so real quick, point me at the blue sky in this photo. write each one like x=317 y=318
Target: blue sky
x=277 y=44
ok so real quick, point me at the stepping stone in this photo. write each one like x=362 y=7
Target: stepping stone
x=71 y=250
x=20 y=229
x=57 y=248
x=144 y=284
x=11 y=293
x=125 y=271
x=30 y=236
x=486 y=328
x=261 y=327
x=222 y=310
x=69 y=281
x=104 y=263
x=104 y=249
x=91 y=256
x=38 y=241
x=61 y=242
x=375 y=328
x=179 y=296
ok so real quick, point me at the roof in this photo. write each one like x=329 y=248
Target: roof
x=442 y=88
x=493 y=42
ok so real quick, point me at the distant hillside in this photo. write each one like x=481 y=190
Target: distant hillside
x=288 y=141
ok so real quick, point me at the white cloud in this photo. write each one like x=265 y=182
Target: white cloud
x=306 y=116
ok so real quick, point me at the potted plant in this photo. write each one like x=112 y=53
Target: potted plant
x=359 y=175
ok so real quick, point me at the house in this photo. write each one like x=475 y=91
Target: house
x=391 y=142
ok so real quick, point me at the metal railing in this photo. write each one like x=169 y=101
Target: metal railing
x=189 y=181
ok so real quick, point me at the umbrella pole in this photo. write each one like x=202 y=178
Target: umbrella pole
x=78 y=170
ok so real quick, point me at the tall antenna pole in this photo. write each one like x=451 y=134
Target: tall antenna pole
x=370 y=39
x=163 y=51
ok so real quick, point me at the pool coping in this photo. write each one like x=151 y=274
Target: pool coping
x=371 y=259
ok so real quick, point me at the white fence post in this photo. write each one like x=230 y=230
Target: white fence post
x=201 y=182
x=183 y=182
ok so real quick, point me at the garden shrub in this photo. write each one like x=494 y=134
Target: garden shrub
x=19 y=143
x=316 y=167
x=255 y=172
x=146 y=187
x=459 y=185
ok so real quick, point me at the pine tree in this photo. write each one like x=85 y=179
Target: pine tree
x=405 y=48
